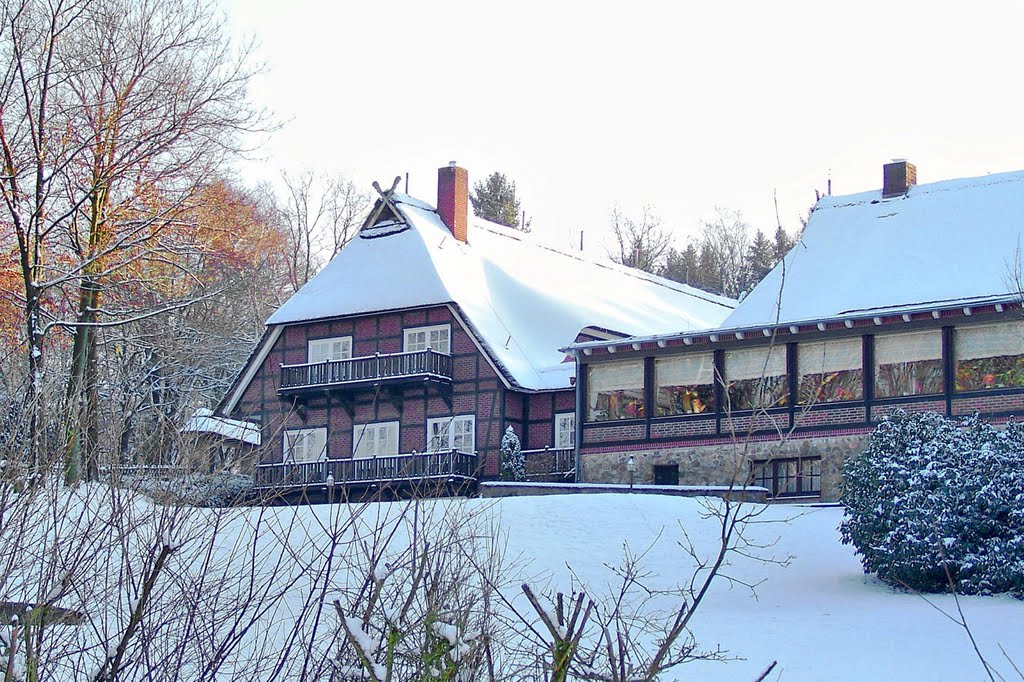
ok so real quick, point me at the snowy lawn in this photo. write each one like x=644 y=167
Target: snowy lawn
x=820 y=617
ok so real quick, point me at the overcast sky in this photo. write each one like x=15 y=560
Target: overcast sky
x=683 y=106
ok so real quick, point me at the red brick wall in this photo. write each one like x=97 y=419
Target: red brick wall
x=741 y=425
x=477 y=389
x=453 y=199
x=879 y=411
x=539 y=420
x=610 y=432
x=831 y=416
x=1013 y=402
x=683 y=428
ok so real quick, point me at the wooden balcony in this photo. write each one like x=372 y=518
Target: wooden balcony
x=371 y=370
x=551 y=464
x=451 y=470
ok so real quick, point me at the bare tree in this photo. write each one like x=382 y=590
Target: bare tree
x=724 y=245
x=640 y=243
x=115 y=114
x=319 y=215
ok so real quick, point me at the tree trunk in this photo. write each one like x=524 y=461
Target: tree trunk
x=79 y=392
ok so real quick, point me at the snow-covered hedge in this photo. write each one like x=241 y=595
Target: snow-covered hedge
x=198 y=490
x=933 y=500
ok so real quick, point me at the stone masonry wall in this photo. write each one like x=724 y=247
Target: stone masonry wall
x=725 y=463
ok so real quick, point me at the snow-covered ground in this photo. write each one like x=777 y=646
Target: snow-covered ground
x=820 y=616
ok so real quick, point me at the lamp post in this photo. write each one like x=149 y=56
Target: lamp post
x=631 y=468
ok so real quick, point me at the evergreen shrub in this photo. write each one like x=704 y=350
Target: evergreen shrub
x=513 y=462
x=934 y=502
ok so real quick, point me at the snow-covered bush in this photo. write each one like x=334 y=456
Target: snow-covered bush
x=197 y=490
x=933 y=500
x=513 y=463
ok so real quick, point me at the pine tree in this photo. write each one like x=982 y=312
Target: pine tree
x=708 y=274
x=682 y=266
x=783 y=243
x=513 y=463
x=760 y=260
x=495 y=199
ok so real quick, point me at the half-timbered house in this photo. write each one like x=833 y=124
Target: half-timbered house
x=412 y=351
x=904 y=298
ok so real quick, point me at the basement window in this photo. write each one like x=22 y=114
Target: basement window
x=793 y=477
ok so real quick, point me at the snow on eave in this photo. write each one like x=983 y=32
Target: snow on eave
x=205 y=421
x=752 y=331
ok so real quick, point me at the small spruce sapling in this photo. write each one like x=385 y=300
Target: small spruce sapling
x=513 y=463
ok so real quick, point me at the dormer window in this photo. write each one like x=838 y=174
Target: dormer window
x=437 y=337
x=326 y=350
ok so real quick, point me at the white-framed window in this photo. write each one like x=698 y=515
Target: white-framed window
x=437 y=337
x=325 y=350
x=565 y=430
x=305 y=445
x=375 y=440
x=452 y=433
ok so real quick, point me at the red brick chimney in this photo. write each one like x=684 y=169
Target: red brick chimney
x=453 y=199
x=897 y=178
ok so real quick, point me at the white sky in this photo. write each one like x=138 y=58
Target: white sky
x=683 y=106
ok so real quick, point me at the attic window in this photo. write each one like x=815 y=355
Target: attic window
x=437 y=337
x=327 y=350
x=384 y=228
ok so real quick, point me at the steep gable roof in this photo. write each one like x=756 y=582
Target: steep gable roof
x=522 y=300
x=938 y=244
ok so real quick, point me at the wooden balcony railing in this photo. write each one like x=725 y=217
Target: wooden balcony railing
x=550 y=462
x=395 y=468
x=372 y=369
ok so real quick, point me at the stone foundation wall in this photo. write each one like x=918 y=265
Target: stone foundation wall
x=724 y=463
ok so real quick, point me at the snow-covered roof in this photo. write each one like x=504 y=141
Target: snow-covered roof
x=940 y=243
x=205 y=421
x=522 y=300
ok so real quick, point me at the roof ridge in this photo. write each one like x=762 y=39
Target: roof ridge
x=606 y=263
x=946 y=185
